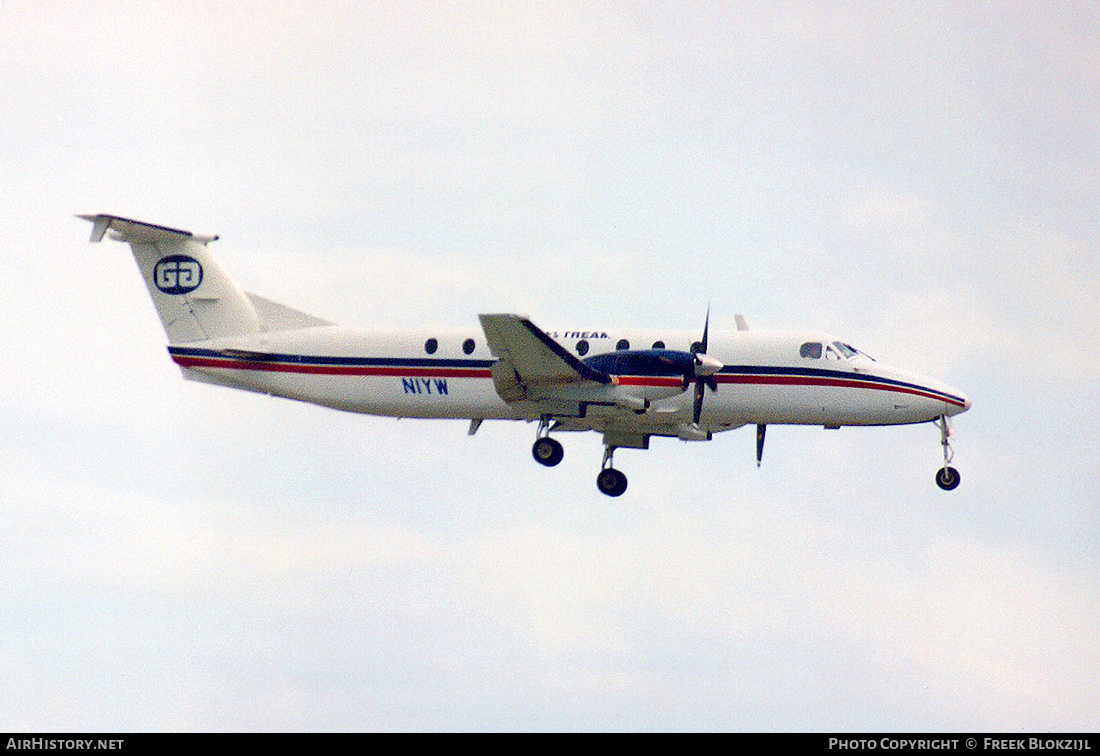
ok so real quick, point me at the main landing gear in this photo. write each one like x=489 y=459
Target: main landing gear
x=549 y=452
x=546 y=450
x=947 y=477
x=610 y=481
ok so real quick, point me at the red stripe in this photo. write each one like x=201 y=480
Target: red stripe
x=283 y=367
x=785 y=380
x=625 y=380
x=648 y=380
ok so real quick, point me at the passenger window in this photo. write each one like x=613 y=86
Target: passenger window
x=468 y=346
x=430 y=346
x=582 y=347
x=658 y=344
x=811 y=350
x=623 y=344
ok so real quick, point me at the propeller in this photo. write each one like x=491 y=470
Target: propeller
x=705 y=368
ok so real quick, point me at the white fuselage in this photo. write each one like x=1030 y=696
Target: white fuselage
x=628 y=385
x=764 y=379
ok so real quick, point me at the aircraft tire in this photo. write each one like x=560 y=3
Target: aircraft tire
x=547 y=451
x=948 y=478
x=611 y=482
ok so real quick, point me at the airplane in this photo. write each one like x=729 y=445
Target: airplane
x=628 y=385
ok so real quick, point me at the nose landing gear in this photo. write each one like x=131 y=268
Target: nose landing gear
x=947 y=477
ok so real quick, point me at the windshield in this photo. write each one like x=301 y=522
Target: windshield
x=836 y=350
x=850 y=351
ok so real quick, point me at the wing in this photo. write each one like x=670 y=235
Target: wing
x=536 y=374
x=534 y=356
x=531 y=365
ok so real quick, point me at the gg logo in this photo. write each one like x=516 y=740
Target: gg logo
x=177 y=274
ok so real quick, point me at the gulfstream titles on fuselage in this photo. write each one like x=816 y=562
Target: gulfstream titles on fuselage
x=578 y=334
x=934 y=744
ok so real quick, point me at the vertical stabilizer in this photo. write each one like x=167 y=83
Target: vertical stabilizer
x=194 y=297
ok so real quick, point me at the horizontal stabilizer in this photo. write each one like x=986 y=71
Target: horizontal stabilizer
x=124 y=229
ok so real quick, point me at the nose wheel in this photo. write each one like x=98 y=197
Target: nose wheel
x=610 y=481
x=947 y=477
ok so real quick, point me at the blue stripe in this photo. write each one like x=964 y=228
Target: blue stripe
x=835 y=374
x=304 y=359
x=587 y=371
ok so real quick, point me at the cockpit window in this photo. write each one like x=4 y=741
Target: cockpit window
x=811 y=349
x=836 y=350
x=850 y=351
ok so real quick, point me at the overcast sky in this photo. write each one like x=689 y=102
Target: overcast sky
x=920 y=178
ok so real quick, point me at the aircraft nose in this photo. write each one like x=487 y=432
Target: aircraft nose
x=958 y=396
x=947 y=399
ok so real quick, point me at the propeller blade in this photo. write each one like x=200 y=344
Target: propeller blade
x=700 y=347
x=697 y=407
x=705 y=368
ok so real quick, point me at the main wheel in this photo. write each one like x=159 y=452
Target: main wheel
x=547 y=451
x=611 y=482
x=948 y=478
